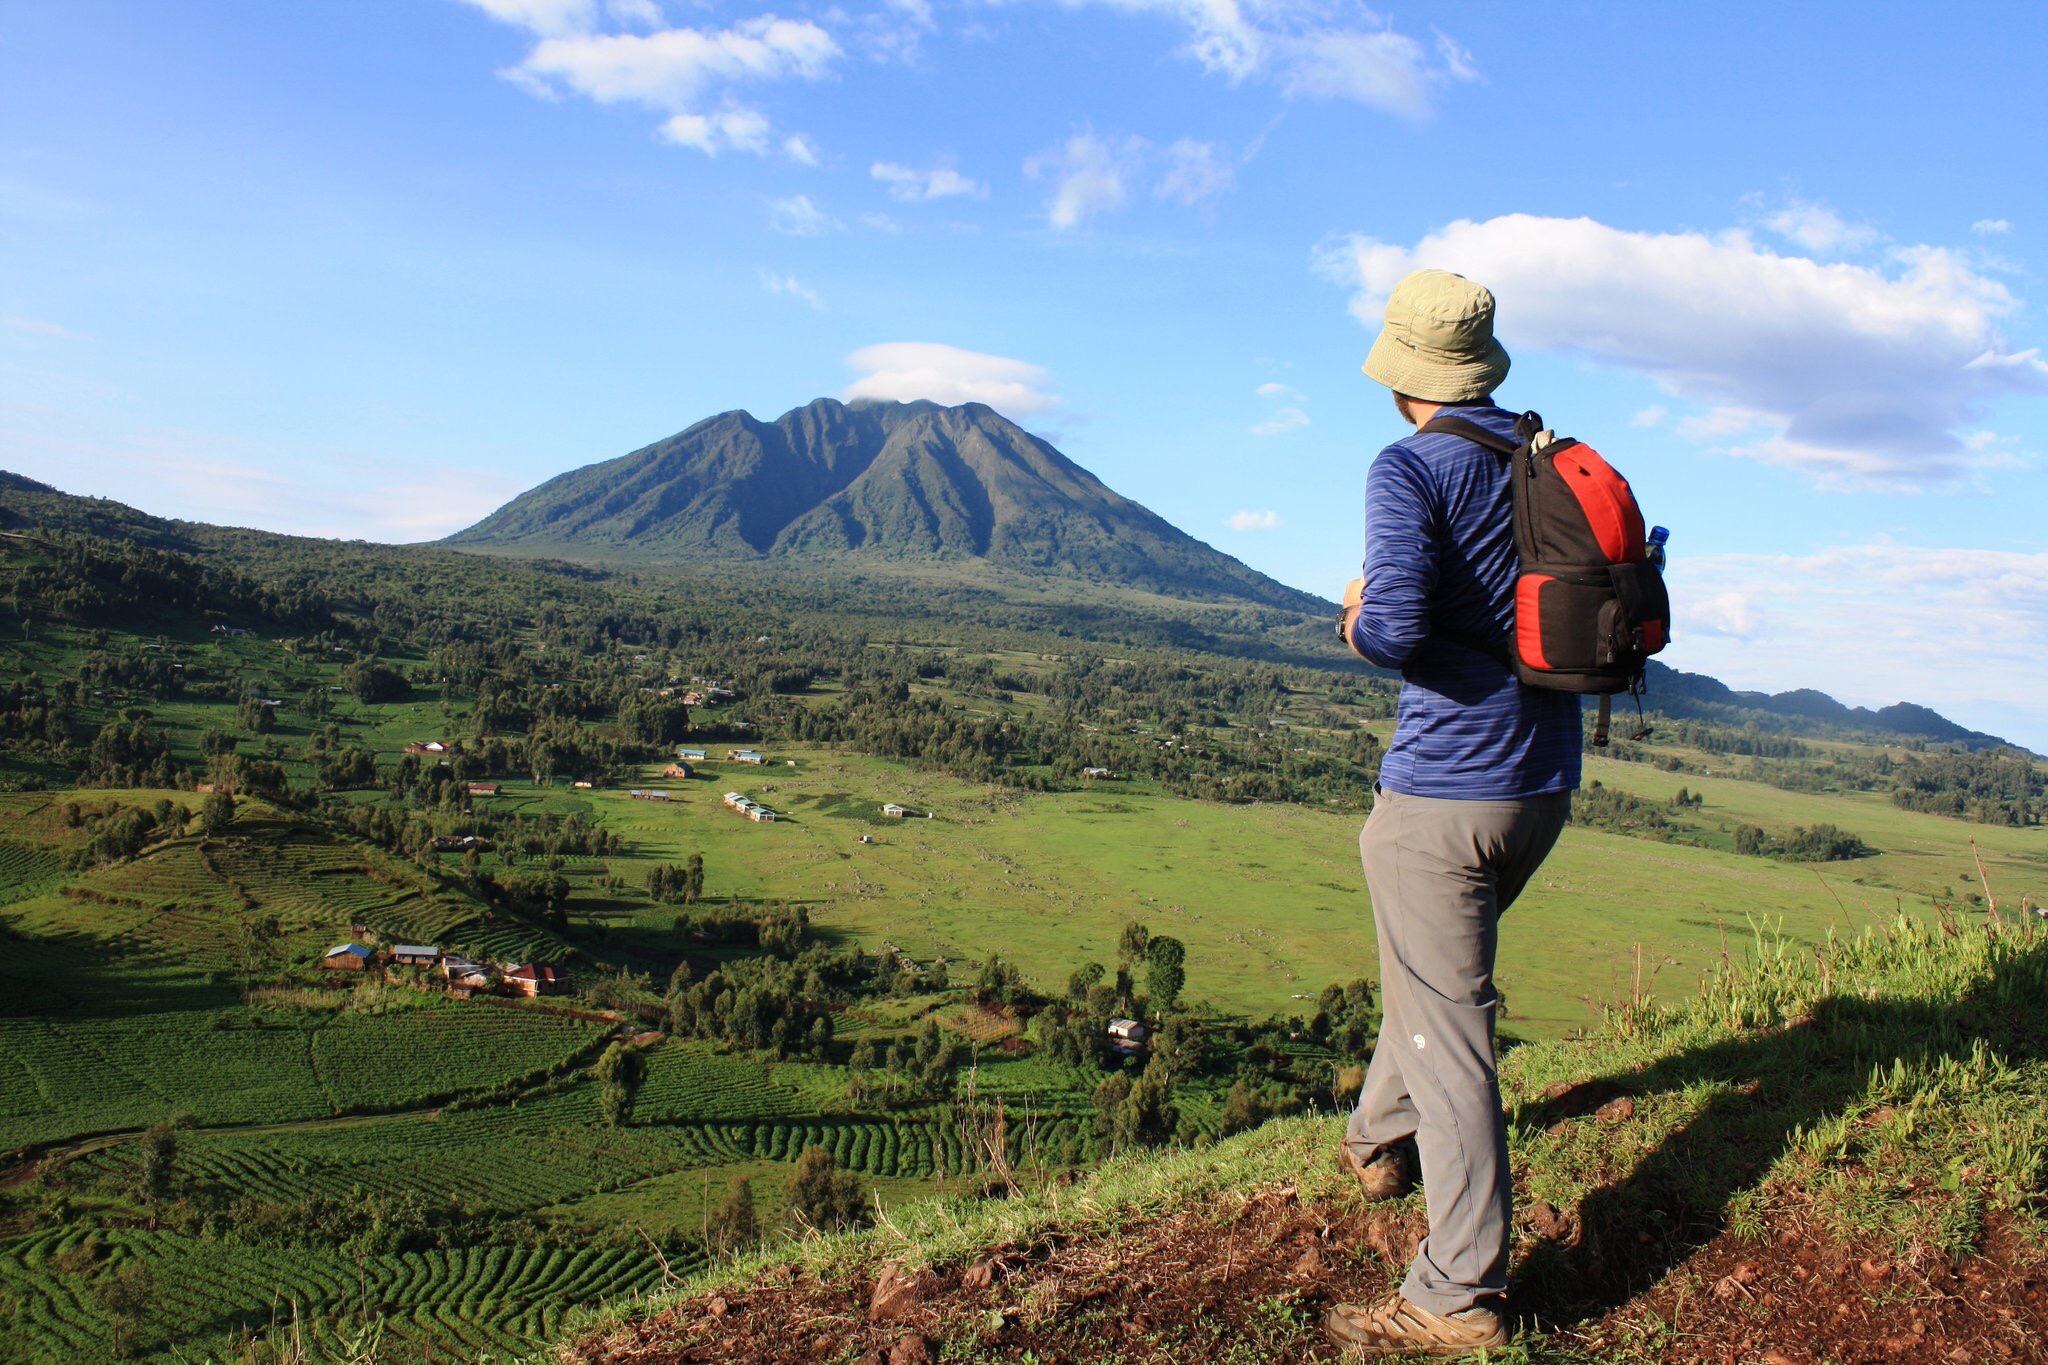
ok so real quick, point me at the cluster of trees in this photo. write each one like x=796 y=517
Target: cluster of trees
x=1805 y=844
x=132 y=751
x=767 y=1004
x=95 y=582
x=924 y=1071
x=671 y=885
x=116 y=832
x=1597 y=806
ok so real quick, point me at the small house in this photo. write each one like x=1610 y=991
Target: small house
x=747 y=756
x=894 y=811
x=347 y=957
x=690 y=755
x=533 y=979
x=415 y=955
x=648 y=794
x=426 y=746
x=582 y=786
x=761 y=815
x=1097 y=772
x=1126 y=1036
x=678 y=770
x=486 y=789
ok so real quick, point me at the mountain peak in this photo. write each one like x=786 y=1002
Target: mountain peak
x=871 y=478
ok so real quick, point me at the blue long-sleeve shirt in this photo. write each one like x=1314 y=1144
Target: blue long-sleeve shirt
x=1439 y=583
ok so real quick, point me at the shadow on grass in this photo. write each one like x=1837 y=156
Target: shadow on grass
x=1631 y=1232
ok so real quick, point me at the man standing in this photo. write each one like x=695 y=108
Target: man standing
x=1473 y=792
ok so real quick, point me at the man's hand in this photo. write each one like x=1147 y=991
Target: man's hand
x=1354 y=599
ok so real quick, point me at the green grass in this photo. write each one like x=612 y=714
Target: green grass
x=1888 y=1091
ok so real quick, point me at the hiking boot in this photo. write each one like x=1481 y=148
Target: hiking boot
x=1398 y=1327
x=1389 y=1175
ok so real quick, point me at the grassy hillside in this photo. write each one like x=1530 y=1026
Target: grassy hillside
x=1822 y=1156
x=213 y=1146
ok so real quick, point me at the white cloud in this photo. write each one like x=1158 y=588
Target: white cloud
x=1195 y=173
x=1254 y=521
x=1734 y=614
x=1991 y=227
x=644 y=13
x=1856 y=373
x=1088 y=177
x=676 y=71
x=1457 y=60
x=1275 y=389
x=1953 y=627
x=1649 y=417
x=36 y=328
x=790 y=285
x=1818 y=228
x=797 y=216
x=1287 y=419
x=1313 y=50
x=548 y=18
x=202 y=476
x=730 y=128
x=908 y=370
x=914 y=186
x=671 y=68
x=800 y=149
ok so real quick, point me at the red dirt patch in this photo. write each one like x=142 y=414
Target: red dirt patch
x=1162 y=1290
x=1797 y=1299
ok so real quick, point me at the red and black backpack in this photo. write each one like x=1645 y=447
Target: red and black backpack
x=1590 y=608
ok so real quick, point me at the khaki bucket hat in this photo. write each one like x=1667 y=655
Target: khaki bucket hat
x=1438 y=343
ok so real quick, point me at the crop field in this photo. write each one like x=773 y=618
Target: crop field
x=122 y=993
x=428 y=1305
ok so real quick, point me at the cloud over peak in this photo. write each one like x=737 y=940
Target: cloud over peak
x=904 y=371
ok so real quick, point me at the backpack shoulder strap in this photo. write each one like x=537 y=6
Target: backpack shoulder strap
x=1471 y=431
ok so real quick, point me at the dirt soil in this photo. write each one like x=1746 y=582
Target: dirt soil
x=1189 y=1288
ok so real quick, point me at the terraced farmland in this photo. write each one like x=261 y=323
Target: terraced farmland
x=425 y=1305
x=185 y=1049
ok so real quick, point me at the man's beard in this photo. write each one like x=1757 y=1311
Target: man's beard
x=1407 y=412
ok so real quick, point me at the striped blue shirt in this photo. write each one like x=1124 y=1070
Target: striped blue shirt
x=1440 y=569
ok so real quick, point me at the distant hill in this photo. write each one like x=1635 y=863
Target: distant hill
x=871 y=479
x=1290 y=629
x=1695 y=694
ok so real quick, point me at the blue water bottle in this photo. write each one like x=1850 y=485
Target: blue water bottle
x=1654 y=552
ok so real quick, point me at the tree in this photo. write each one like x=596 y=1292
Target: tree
x=1165 y=972
x=735 y=1226
x=1241 y=1109
x=218 y=812
x=693 y=879
x=1109 y=1102
x=824 y=1197
x=158 y=1165
x=125 y=1294
x=619 y=1073
x=1147 y=1117
x=1083 y=981
x=1133 y=942
x=257 y=938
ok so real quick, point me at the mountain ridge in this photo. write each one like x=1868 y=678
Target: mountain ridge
x=27 y=504
x=900 y=480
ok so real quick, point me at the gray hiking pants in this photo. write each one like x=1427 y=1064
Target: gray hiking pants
x=1440 y=874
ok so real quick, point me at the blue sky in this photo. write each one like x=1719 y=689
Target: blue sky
x=370 y=269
